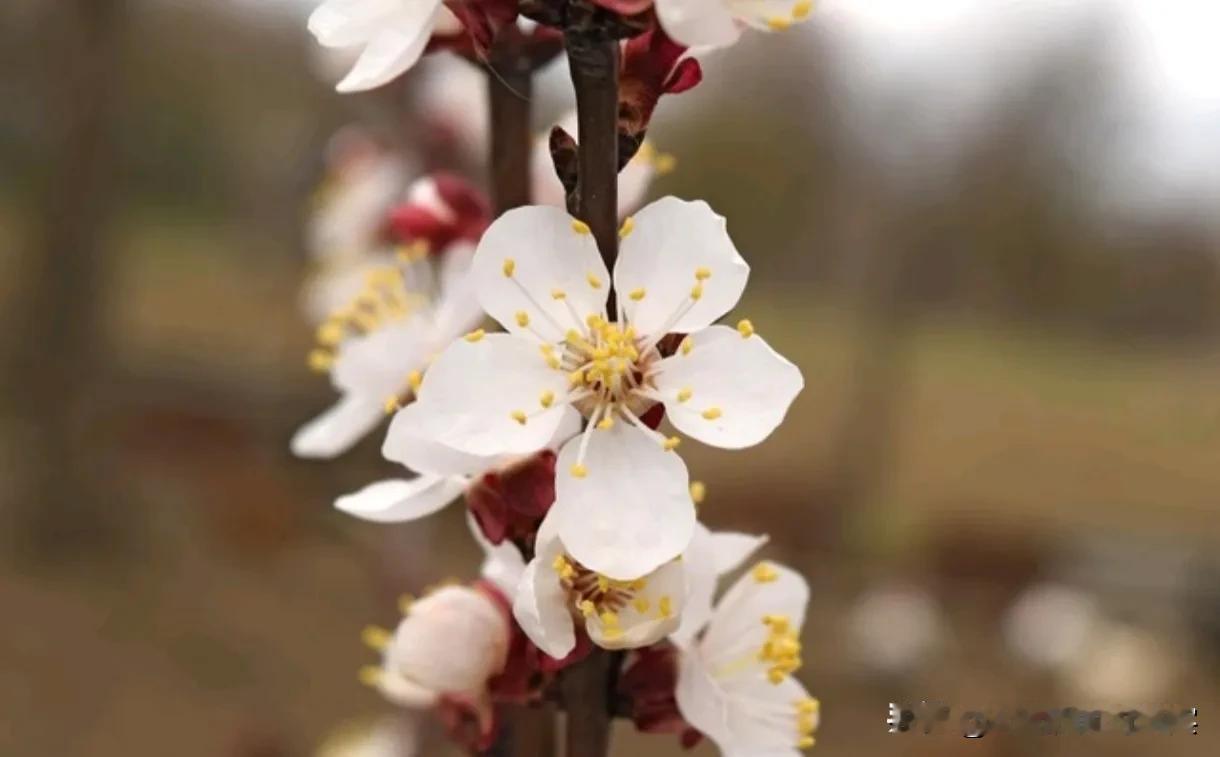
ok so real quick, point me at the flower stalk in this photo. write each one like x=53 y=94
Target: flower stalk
x=510 y=86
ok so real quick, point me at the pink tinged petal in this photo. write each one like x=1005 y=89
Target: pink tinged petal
x=739 y=388
x=698 y=23
x=631 y=512
x=475 y=395
x=541 y=605
x=527 y=258
x=393 y=49
x=674 y=246
x=737 y=629
x=338 y=429
x=398 y=500
x=653 y=613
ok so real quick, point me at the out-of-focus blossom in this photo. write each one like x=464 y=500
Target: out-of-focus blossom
x=633 y=180
x=1049 y=625
x=391 y=34
x=653 y=65
x=376 y=347
x=387 y=737
x=894 y=627
x=452 y=97
x=622 y=506
x=718 y=23
x=735 y=682
x=1123 y=663
x=556 y=591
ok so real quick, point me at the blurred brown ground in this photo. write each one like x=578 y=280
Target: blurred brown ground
x=995 y=386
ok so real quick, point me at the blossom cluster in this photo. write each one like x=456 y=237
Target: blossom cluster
x=560 y=427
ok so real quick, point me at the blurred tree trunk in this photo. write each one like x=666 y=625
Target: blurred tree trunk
x=63 y=508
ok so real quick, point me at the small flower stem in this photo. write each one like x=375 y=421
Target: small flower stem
x=586 y=698
x=510 y=85
x=594 y=63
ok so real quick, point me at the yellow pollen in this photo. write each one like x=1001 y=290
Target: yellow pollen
x=510 y=266
x=576 y=378
x=745 y=328
x=369 y=675
x=671 y=443
x=580 y=227
x=558 y=294
x=578 y=470
x=696 y=291
x=523 y=318
x=665 y=606
x=778 y=24
x=764 y=574
x=603 y=584
x=698 y=492
x=808 y=706
x=391 y=405
x=547 y=398
x=684 y=394
x=475 y=335
x=805 y=742
x=640 y=604
x=594 y=282
x=664 y=163
x=637 y=294
x=518 y=416
x=638 y=584
x=404 y=603
x=414 y=380
x=703 y=273
x=606 y=423
x=609 y=619
x=688 y=344
x=712 y=413
x=321 y=360
x=587 y=608
x=375 y=637
x=331 y=333
x=802 y=9
x=627 y=227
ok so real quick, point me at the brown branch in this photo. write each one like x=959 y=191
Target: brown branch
x=510 y=84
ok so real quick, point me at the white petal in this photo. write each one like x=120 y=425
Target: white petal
x=671 y=240
x=740 y=388
x=502 y=565
x=458 y=309
x=393 y=49
x=375 y=365
x=472 y=392
x=709 y=556
x=405 y=444
x=632 y=512
x=653 y=612
x=701 y=700
x=760 y=14
x=406 y=693
x=546 y=255
x=633 y=183
x=397 y=500
x=541 y=608
x=737 y=629
x=342 y=23
x=335 y=431
x=698 y=23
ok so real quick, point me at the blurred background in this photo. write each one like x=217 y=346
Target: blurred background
x=987 y=231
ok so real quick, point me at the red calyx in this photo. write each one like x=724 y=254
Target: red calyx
x=652 y=66
x=625 y=7
x=483 y=19
x=648 y=681
x=510 y=503
x=463 y=215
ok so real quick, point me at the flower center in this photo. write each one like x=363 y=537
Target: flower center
x=595 y=595
x=385 y=298
x=609 y=368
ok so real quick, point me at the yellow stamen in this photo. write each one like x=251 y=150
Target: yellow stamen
x=547 y=398
x=696 y=291
x=764 y=574
x=576 y=378
x=802 y=9
x=475 y=335
x=665 y=606
x=369 y=675
x=684 y=394
x=688 y=344
x=580 y=227
x=321 y=361
x=375 y=637
x=641 y=605
x=778 y=24
x=587 y=608
x=664 y=163
x=698 y=492
x=805 y=742
x=331 y=333
x=518 y=416
x=578 y=470
x=627 y=227
x=594 y=282
x=703 y=273
x=671 y=443
x=745 y=328
x=404 y=603
x=558 y=294
x=510 y=266
x=637 y=294
x=523 y=318
x=391 y=405
x=606 y=423
x=712 y=413
x=609 y=619
x=414 y=380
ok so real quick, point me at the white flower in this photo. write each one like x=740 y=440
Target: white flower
x=675 y=599
x=376 y=349
x=622 y=506
x=363 y=182
x=717 y=23
x=633 y=180
x=735 y=682
x=391 y=33
x=448 y=645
